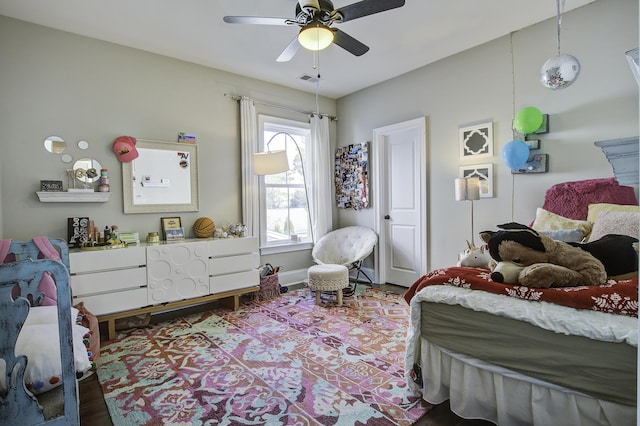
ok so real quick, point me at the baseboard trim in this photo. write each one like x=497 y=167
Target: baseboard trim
x=298 y=276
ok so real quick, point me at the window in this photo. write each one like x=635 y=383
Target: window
x=284 y=216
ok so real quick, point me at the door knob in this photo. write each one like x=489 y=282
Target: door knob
x=387 y=217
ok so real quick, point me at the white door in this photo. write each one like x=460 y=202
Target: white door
x=400 y=192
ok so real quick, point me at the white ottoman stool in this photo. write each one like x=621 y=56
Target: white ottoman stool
x=328 y=277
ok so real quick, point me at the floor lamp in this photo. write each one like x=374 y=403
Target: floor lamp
x=275 y=162
x=468 y=189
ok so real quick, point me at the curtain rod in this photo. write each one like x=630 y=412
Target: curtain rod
x=237 y=98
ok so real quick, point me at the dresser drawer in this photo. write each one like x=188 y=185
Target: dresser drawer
x=114 y=302
x=231 y=246
x=231 y=264
x=104 y=260
x=108 y=281
x=227 y=282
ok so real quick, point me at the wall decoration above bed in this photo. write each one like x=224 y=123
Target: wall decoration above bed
x=476 y=140
x=538 y=163
x=622 y=154
x=352 y=176
x=482 y=171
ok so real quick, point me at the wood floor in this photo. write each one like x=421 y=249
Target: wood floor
x=93 y=409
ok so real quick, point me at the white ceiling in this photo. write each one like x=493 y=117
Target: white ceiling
x=400 y=40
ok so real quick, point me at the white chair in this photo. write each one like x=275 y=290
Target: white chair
x=348 y=246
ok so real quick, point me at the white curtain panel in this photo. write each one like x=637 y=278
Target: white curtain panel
x=249 y=145
x=321 y=172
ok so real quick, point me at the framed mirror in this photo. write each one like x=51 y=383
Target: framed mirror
x=163 y=178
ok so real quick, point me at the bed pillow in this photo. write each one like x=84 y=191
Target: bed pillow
x=40 y=343
x=572 y=199
x=616 y=222
x=47 y=315
x=547 y=221
x=566 y=235
x=596 y=209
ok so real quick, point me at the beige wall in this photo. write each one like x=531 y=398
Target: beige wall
x=477 y=85
x=57 y=83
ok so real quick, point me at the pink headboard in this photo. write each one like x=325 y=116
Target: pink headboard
x=572 y=199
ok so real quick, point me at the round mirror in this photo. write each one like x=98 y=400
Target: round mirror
x=55 y=144
x=87 y=170
x=83 y=144
x=66 y=158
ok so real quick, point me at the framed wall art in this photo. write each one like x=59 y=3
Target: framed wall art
x=482 y=171
x=163 y=178
x=352 y=176
x=476 y=141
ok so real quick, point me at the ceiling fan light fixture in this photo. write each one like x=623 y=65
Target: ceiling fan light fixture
x=315 y=36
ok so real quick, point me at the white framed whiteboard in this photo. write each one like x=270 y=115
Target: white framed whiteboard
x=164 y=178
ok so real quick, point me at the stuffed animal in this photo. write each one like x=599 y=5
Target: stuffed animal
x=475 y=257
x=531 y=259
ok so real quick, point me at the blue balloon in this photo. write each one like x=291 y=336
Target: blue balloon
x=515 y=154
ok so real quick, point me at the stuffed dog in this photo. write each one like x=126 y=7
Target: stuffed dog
x=532 y=259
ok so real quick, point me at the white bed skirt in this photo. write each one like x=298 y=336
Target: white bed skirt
x=478 y=390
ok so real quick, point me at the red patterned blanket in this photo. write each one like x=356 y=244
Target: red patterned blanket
x=616 y=297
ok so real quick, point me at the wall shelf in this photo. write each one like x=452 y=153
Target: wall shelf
x=72 y=197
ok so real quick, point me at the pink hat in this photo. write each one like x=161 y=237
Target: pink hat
x=125 y=148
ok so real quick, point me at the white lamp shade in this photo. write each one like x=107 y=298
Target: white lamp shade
x=467 y=189
x=315 y=36
x=270 y=162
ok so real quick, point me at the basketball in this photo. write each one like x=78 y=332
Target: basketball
x=204 y=227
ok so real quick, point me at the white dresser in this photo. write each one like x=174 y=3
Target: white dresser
x=151 y=277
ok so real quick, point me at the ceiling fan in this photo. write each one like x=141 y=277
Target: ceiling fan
x=315 y=17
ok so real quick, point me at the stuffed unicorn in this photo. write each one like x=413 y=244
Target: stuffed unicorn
x=475 y=257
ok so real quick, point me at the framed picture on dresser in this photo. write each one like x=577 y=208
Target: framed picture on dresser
x=170 y=224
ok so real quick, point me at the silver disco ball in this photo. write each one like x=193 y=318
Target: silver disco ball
x=559 y=72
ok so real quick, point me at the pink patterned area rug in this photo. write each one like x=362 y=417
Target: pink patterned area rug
x=281 y=362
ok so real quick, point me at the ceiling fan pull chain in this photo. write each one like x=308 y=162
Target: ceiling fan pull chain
x=317 y=82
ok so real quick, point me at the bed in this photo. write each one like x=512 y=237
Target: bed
x=520 y=356
x=43 y=346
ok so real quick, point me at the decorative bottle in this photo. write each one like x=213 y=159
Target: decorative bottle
x=103 y=185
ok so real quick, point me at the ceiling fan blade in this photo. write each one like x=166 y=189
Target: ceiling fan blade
x=289 y=52
x=366 y=7
x=349 y=43
x=256 y=20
